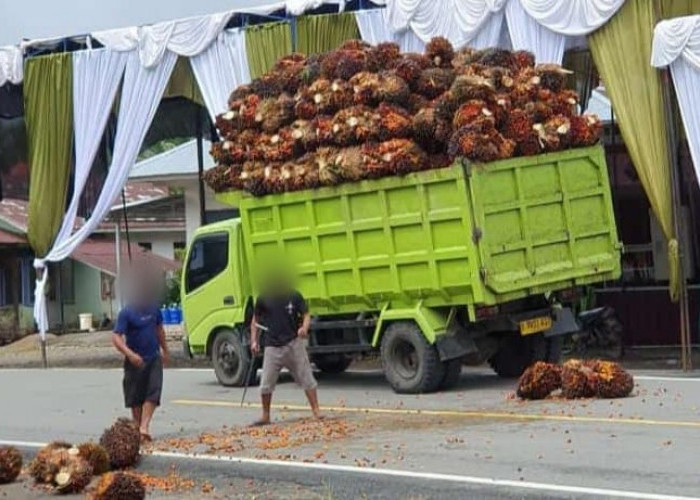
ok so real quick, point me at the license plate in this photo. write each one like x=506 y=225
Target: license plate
x=535 y=325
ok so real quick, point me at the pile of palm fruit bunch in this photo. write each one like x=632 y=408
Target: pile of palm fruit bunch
x=70 y=469
x=10 y=464
x=363 y=112
x=576 y=379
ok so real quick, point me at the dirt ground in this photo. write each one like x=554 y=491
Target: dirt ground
x=95 y=350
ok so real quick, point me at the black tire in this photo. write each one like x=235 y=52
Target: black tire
x=411 y=364
x=453 y=369
x=332 y=363
x=232 y=360
x=517 y=353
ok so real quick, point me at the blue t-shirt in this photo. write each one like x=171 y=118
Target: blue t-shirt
x=140 y=328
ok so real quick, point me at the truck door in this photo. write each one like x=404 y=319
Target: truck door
x=208 y=283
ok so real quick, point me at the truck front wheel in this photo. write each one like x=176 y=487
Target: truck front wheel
x=332 y=363
x=231 y=360
x=411 y=364
x=516 y=353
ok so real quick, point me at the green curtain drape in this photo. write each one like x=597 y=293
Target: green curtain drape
x=325 y=32
x=265 y=44
x=48 y=101
x=622 y=50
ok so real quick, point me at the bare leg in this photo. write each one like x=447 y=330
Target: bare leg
x=312 y=396
x=266 y=401
x=136 y=414
x=147 y=413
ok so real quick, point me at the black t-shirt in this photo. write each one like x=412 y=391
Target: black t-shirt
x=281 y=315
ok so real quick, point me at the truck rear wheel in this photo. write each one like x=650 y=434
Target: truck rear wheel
x=231 y=360
x=517 y=353
x=332 y=363
x=411 y=364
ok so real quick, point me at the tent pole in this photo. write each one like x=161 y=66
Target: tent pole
x=118 y=280
x=686 y=349
x=200 y=170
x=126 y=226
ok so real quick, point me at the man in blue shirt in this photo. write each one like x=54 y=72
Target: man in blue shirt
x=140 y=337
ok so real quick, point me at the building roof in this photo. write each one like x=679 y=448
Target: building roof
x=8 y=238
x=102 y=255
x=180 y=161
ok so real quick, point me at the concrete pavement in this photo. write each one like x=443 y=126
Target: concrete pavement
x=475 y=439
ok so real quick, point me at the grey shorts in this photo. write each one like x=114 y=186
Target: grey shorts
x=143 y=384
x=294 y=358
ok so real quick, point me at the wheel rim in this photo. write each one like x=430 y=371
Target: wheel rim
x=405 y=359
x=228 y=358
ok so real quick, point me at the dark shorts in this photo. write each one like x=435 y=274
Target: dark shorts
x=143 y=384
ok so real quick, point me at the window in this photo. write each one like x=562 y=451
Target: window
x=28 y=277
x=146 y=246
x=65 y=280
x=208 y=258
x=212 y=216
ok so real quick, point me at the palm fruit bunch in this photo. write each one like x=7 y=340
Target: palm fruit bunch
x=613 y=380
x=74 y=472
x=96 y=455
x=398 y=112
x=539 y=381
x=10 y=464
x=119 y=486
x=578 y=380
x=44 y=466
x=123 y=443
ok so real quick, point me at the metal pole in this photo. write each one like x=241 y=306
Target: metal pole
x=118 y=281
x=200 y=170
x=59 y=287
x=686 y=352
x=126 y=226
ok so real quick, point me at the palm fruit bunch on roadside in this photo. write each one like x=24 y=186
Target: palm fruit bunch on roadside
x=10 y=464
x=96 y=455
x=578 y=380
x=62 y=466
x=119 y=486
x=613 y=380
x=539 y=381
x=123 y=443
x=399 y=112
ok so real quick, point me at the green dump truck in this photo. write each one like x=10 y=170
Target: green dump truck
x=460 y=265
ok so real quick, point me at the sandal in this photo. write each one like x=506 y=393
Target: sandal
x=259 y=423
x=146 y=438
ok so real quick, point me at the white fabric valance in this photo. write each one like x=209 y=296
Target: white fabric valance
x=374 y=28
x=527 y=34
x=460 y=21
x=571 y=17
x=223 y=66
x=674 y=38
x=11 y=65
x=184 y=37
x=677 y=45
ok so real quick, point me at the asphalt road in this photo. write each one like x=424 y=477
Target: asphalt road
x=476 y=441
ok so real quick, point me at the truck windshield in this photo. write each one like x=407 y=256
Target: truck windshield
x=208 y=257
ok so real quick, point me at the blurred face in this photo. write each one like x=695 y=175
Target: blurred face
x=142 y=287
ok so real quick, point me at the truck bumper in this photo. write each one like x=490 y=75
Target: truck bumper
x=186 y=347
x=564 y=321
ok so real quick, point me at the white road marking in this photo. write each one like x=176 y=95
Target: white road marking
x=666 y=379
x=428 y=476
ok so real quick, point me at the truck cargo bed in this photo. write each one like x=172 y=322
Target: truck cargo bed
x=466 y=234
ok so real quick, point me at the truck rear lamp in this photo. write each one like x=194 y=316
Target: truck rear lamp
x=486 y=312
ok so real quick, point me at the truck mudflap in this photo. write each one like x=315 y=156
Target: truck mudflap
x=564 y=323
x=456 y=345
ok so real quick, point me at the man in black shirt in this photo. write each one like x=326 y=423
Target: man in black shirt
x=282 y=315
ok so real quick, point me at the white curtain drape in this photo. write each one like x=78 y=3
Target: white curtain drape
x=220 y=68
x=528 y=34
x=460 y=21
x=571 y=17
x=141 y=93
x=374 y=28
x=184 y=37
x=677 y=45
x=11 y=65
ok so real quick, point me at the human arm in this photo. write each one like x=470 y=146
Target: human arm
x=254 y=345
x=300 y=304
x=120 y=344
x=160 y=331
x=305 y=324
